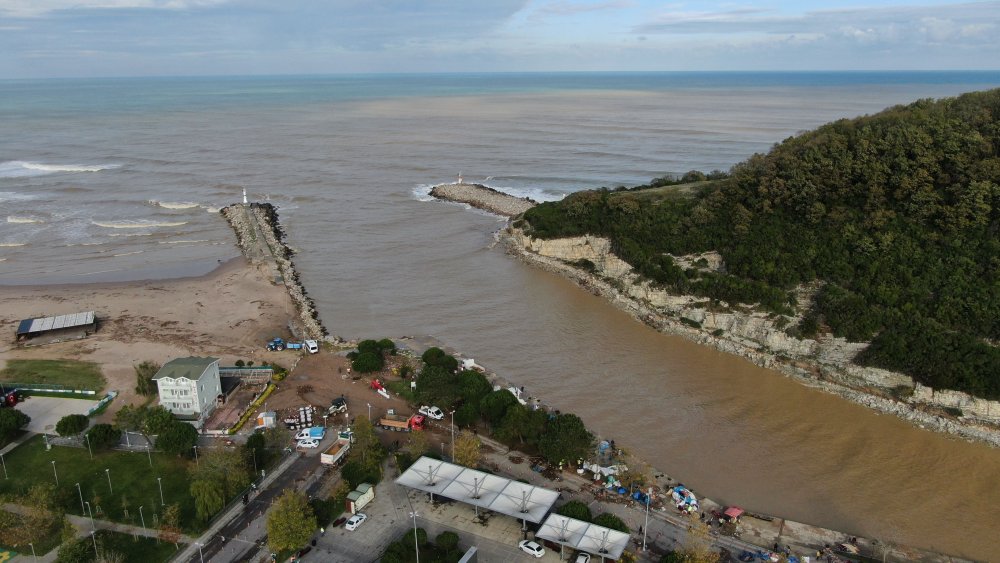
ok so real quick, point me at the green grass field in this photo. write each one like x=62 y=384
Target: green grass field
x=136 y=550
x=70 y=373
x=133 y=481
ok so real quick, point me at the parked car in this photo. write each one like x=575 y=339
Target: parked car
x=354 y=521
x=582 y=558
x=311 y=346
x=531 y=548
x=308 y=443
x=431 y=412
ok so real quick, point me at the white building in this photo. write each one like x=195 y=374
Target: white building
x=189 y=387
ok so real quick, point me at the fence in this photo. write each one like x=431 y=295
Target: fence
x=252 y=375
x=47 y=388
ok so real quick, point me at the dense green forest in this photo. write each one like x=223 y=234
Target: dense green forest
x=895 y=216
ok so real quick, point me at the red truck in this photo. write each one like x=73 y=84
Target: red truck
x=10 y=398
x=400 y=423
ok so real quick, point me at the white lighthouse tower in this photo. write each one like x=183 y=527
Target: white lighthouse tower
x=244 y=196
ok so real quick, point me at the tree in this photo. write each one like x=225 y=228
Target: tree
x=354 y=473
x=144 y=372
x=494 y=406
x=418 y=444
x=435 y=356
x=565 y=438
x=368 y=362
x=437 y=385
x=10 y=421
x=75 y=551
x=521 y=425
x=208 y=498
x=170 y=525
x=224 y=469
x=103 y=436
x=468 y=449
x=446 y=541
x=473 y=386
x=698 y=545
x=575 y=509
x=367 y=449
x=42 y=516
x=147 y=420
x=609 y=520
x=179 y=438
x=72 y=424
x=290 y=522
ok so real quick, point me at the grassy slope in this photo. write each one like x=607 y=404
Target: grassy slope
x=70 y=373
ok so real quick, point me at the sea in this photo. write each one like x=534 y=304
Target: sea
x=122 y=179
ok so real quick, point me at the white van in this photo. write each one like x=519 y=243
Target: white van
x=311 y=346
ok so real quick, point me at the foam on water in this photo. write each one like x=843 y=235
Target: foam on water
x=11 y=244
x=174 y=204
x=137 y=224
x=182 y=241
x=128 y=253
x=23 y=168
x=17 y=219
x=15 y=196
x=423 y=192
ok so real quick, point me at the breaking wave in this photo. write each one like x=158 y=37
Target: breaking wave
x=16 y=219
x=128 y=253
x=423 y=192
x=174 y=204
x=10 y=244
x=22 y=168
x=137 y=224
x=182 y=241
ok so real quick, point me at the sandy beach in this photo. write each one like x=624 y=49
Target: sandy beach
x=227 y=313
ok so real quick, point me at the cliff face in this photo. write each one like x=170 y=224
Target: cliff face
x=824 y=362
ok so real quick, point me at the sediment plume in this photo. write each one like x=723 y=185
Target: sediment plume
x=261 y=240
x=484 y=197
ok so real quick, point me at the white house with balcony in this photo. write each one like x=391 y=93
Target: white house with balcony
x=189 y=387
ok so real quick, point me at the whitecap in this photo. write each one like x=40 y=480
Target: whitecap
x=137 y=224
x=423 y=192
x=174 y=204
x=16 y=219
x=22 y=168
x=212 y=209
x=128 y=253
x=11 y=244
x=182 y=241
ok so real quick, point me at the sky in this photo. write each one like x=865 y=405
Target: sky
x=99 y=38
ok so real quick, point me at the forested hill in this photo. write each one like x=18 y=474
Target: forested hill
x=894 y=217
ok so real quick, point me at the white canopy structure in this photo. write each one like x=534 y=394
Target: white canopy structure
x=584 y=536
x=483 y=490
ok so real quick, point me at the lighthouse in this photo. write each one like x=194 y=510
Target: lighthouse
x=244 y=196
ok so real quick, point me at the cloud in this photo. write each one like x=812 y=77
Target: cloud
x=567 y=8
x=36 y=8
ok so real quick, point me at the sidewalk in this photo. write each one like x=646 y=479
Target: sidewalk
x=220 y=522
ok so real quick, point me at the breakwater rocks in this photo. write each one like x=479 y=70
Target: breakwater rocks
x=483 y=197
x=261 y=240
x=824 y=363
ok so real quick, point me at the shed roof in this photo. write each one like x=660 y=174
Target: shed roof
x=492 y=492
x=43 y=324
x=583 y=536
x=191 y=368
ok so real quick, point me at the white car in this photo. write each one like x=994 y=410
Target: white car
x=355 y=521
x=311 y=346
x=531 y=548
x=431 y=412
x=583 y=558
x=308 y=443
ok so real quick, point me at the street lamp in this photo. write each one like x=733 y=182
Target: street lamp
x=416 y=546
x=93 y=536
x=5 y=476
x=196 y=462
x=33 y=556
x=200 y=554
x=645 y=528
x=108 y=473
x=87 y=437
x=149 y=455
x=91 y=511
x=143 y=520
x=54 y=472
x=159 y=481
x=453 y=436
x=81 y=499
x=369 y=412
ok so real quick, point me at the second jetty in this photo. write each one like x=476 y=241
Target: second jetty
x=483 y=197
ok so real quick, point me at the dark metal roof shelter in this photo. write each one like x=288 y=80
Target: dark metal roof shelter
x=33 y=327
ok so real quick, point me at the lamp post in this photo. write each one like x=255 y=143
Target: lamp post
x=91 y=511
x=453 y=436
x=369 y=412
x=159 y=481
x=5 y=476
x=143 y=520
x=649 y=499
x=416 y=546
x=200 y=554
x=108 y=473
x=33 y=556
x=54 y=472
x=84 y=511
x=93 y=536
x=87 y=437
x=196 y=462
x=149 y=455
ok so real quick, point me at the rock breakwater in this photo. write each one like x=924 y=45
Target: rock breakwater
x=262 y=241
x=484 y=197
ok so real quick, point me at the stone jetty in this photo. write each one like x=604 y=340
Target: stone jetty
x=484 y=197
x=261 y=240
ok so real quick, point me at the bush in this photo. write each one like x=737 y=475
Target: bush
x=104 y=436
x=10 y=421
x=368 y=362
x=575 y=509
x=609 y=520
x=179 y=439
x=71 y=425
x=436 y=357
x=355 y=473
